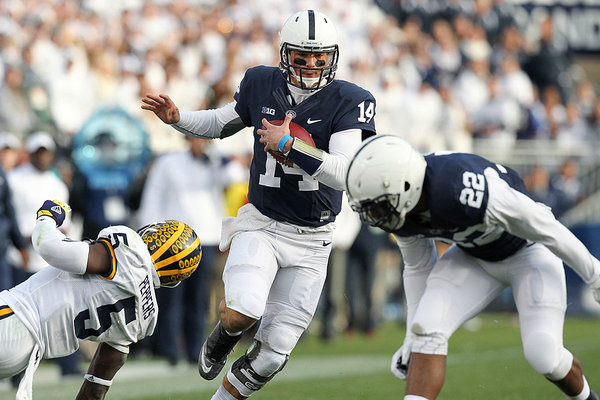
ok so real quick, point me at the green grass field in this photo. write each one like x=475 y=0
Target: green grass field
x=483 y=364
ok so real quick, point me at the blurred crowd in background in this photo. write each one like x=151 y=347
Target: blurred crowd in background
x=445 y=75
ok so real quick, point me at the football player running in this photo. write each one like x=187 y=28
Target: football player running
x=279 y=243
x=101 y=290
x=500 y=238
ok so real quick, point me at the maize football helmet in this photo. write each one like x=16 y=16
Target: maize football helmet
x=308 y=31
x=175 y=250
x=385 y=181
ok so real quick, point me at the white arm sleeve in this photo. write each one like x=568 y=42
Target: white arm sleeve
x=419 y=255
x=523 y=217
x=342 y=145
x=57 y=250
x=210 y=124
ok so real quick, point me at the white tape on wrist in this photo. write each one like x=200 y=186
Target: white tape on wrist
x=99 y=381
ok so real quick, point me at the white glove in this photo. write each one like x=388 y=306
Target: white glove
x=400 y=359
x=595 y=286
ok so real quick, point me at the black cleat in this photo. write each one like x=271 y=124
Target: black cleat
x=593 y=396
x=214 y=352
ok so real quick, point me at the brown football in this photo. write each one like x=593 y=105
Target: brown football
x=295 y=131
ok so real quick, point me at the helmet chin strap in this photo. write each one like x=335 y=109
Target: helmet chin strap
x=307 y=83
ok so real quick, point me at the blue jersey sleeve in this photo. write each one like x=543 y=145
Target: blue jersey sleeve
x=358 y=107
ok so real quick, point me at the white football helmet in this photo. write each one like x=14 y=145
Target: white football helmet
x=385 y=180
x=308 y=31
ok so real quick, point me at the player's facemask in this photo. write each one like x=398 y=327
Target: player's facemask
x=297 y=68
x=381 y=212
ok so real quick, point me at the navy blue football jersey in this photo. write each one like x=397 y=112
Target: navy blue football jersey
x=286 y=193
x=458 y=193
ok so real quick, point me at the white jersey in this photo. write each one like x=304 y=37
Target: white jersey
x=119 y=308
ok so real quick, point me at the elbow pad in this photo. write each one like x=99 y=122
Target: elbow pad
x=57 y=250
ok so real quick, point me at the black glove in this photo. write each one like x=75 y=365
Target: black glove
x=57 y=210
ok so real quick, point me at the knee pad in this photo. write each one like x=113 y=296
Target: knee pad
x=254 y=369
x=547 y=356
x=281 y=339
x=429 y=342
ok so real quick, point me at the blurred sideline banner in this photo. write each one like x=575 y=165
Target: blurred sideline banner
x=577 y=22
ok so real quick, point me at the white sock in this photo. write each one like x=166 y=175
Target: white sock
x=414 y=397
x=222 y=394
x=585 y=393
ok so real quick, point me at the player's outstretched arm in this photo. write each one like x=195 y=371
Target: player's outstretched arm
x=162 y=106
x=61 y=252
x=105 y=364
x=520 y=215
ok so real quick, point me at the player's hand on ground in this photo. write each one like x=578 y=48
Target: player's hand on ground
x=400 y=359
x=271 y=134
x=55 y=209
x=162 y=106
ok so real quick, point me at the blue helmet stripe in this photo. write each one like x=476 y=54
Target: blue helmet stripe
x=311 y=25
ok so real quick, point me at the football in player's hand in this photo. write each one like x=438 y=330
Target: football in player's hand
x=295 y=131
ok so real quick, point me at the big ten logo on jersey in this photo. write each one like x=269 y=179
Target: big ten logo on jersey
x=268 y=111
x=472 y=194
x=146 y=297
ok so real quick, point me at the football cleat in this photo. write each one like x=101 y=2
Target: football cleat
x=175 y=250
x=214 y=352
x=593 y=396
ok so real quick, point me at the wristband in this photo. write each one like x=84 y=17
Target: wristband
x=283 y=141
x=98 y=381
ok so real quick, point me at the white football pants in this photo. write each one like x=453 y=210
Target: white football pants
x=16 y=345
x=460 y=286
x=277 y=273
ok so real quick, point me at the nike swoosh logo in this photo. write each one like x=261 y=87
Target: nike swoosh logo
x=312 y=121
x=326 y=243
x=205 y=368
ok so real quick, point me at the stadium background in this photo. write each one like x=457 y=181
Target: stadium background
x=516 y=81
